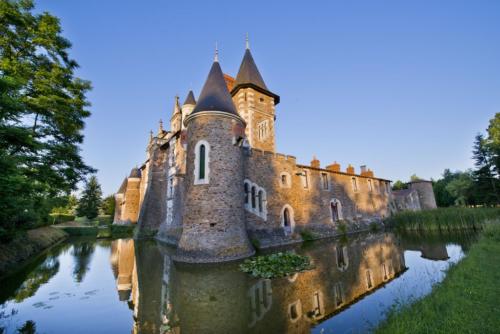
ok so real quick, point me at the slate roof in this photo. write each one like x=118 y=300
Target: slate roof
x=190 y=98
x=214 y=96
x=135 y=172
x=249 y=73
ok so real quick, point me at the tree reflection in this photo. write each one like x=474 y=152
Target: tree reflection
x=82 y=253
x=41 y=275
x=29 y=327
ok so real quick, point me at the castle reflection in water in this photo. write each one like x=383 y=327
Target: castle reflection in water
x=168 y=297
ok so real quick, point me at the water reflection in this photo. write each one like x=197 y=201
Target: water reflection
x=127 y=286
x=170 y=297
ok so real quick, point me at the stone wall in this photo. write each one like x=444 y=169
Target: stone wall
x=130 y=209
x=425 y=194
x=311 y=204
x=213 y=216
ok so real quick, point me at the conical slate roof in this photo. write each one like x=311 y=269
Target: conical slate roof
x=249 y=73
x=214 y=95
x=135 y=172
x=190 y=98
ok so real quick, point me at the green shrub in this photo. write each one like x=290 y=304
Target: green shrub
x=105 y=220
x=255 y=243
x=275 y=265
x=307 y=235
x=104 y=232
x=122 y=230
x=57 y=218
x=342 y=227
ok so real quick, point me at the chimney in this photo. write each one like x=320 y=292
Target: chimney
x=350 y=169
x=315 y=162
x=335 y=167
x=363 y=169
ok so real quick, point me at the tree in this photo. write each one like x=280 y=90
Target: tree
x=108 y=205
x=42 y=112
x=494 y=143
x=461 y=188
x=399 y=185
x=485 y=184
x=90 y=201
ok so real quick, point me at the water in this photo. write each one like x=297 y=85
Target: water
x=122 y=286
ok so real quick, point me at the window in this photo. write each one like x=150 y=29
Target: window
x=287 y=221
x=305 y=179
x=263 y=130
x=253 y=197
x=342 y=261
x=324 y=181
x=247 y=194
x=337 y=291
x=317 y=304
x=369 y=282
x=384 y=271
x=261 y=200
x=354 y=184
x=370 y=185
x=336 y=210
x=295 y=310
x=201 y=162
x=170 y=187
x=285 y=180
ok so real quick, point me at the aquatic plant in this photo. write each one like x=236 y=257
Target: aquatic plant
x=275 y=265
x=443 y=219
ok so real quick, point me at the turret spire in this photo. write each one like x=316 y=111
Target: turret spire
x=214 y=95
x=216 y=56
x=190 y=98
x=247 y=43
x=160 y=127
x=177 y=107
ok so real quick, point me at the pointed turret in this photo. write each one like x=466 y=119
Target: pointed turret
x=175 y=121
x=214 y=95
x=177 y=107
x=190 y=99
x=249 y=76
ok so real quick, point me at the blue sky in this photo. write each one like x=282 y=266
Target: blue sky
x=401 y=86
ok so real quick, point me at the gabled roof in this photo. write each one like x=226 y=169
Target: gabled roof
x=214 y=95
x=249 y=73
x=190 y=98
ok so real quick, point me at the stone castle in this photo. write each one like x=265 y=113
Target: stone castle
x=214 y=184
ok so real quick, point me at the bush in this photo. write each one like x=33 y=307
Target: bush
x=122 y=230
x=57 y=218
x=275 y=265
x=307 y=235
x=105 y=220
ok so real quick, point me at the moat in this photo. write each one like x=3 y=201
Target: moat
x=127 y=286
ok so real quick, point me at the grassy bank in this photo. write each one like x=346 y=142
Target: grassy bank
x=444 y=219
x=465 y=302
x=26 y=245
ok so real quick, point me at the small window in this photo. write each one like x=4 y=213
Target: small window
x=253 y=197
x=261 y=200
x=339 y=298
x=305 y=179
x=354 y=184
x=202 y=158
x=247 y=193
x=369 y=282
x=384 y=271
x=285 y=180
x=370 y=185
x=324 y=180
x=341 y=258
x=261 y=99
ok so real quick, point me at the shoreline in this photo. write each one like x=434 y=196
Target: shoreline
x=19 y=251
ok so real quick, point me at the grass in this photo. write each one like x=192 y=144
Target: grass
x=275 y=265
x=465 y=302
x=444 y=219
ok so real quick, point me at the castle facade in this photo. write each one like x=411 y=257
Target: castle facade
x=214 y=184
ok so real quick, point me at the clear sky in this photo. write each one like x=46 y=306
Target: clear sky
x=401 y=86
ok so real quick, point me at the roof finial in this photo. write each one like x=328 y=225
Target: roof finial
x=160 y=128
x=216 y=57
x=150 y=135
x=247 y=43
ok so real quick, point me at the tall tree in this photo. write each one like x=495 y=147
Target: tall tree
x=90 y=201
x=42 y=112
x=486 y=185
x=108 y=205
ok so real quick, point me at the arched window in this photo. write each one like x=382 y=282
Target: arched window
x=247 y=193
x=201 y=162
x=253 y=197
x=261 y=201
x=287 y=219
x=336 y=210
x=342 y=259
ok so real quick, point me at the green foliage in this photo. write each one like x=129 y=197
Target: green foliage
x=275 y=265
x=90 y=201
x=255 y=243
x=58 y=218
x=108 y=205
x=399 y=185
x=307 y=235
x=342 y=227
x=122 y=230
x=80 y=230
x=465 y=302
x=42 y=112
x=104 y=220
x=443 y=218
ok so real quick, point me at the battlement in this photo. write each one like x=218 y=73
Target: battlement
x=278 y=156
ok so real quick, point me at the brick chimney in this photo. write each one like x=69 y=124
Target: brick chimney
x=315 y=163
x=335 y=167
x=350 y=169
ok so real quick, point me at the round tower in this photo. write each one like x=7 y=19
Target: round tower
x=213 y=215
x=425 y=193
